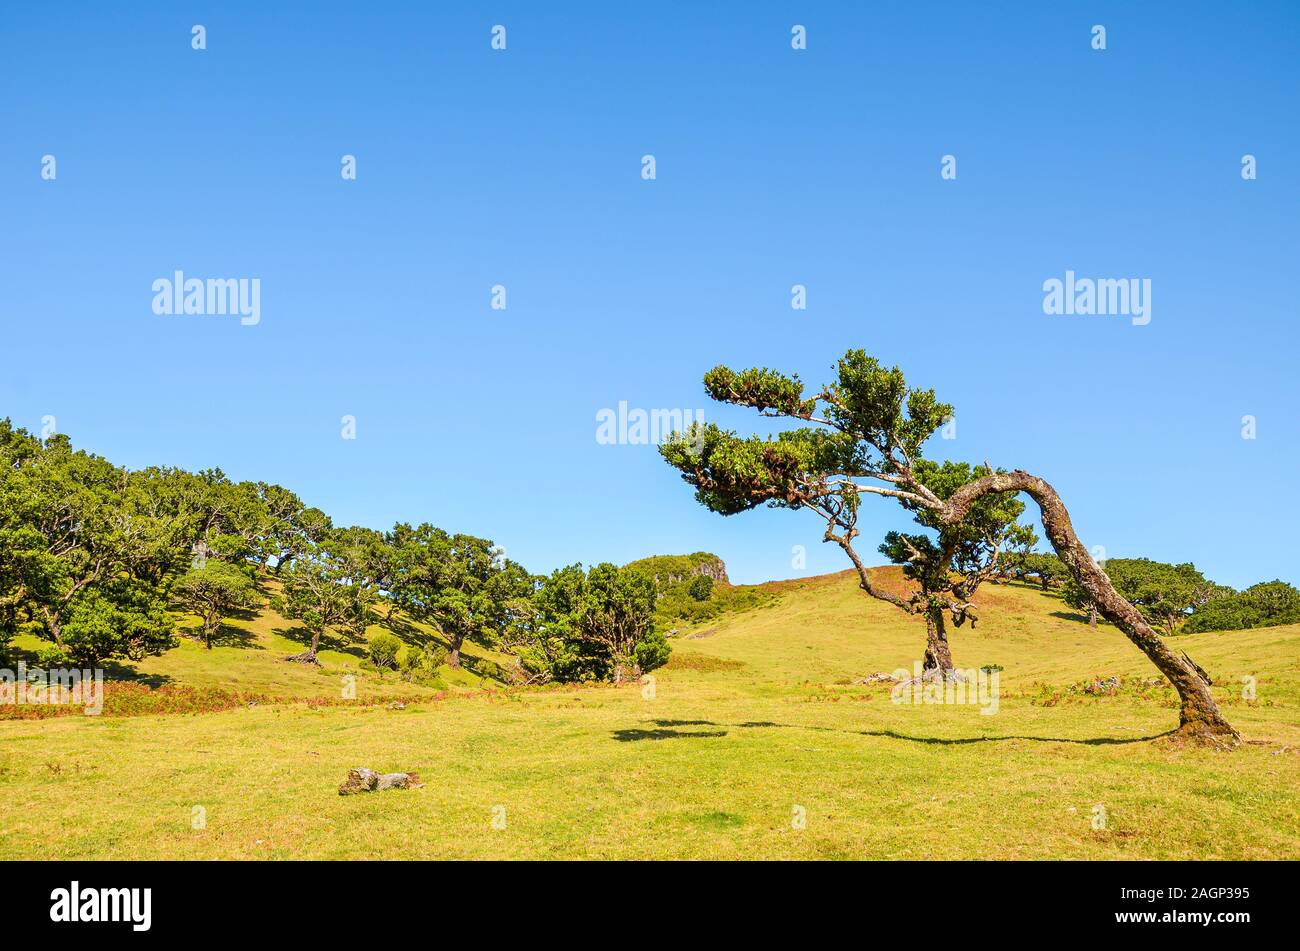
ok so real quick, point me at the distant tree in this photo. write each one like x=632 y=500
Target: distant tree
x=591 y=625
x=319 y=591
x=1165 y=594
x=1266 y=604
x=544 y=640
x=119 y=617
x=78 y=558
x=17 y=450
x=459 y=583
x=1073 y=594
x=700 y=588
x=863 y=434
x=289 y=528
x=1010 y=566
x=1044 y=568
x=616 y=613
x=213 y=592
x=948 y=575
x=366 y=557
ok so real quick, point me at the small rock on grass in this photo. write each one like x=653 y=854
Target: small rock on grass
x=399 y=781
x=359 y=780
x=367 y=780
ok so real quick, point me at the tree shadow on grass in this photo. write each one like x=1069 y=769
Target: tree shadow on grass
x=963 y=741
x=114 y=670
x=328 y=642
x=227 y=635
x=12 y=654
x=664 y=730
x=121 y=672
x=1073 y=616
x=632 y=736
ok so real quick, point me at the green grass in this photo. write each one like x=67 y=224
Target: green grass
x=755 y=718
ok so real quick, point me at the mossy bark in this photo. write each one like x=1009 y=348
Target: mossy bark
x=1200 y=721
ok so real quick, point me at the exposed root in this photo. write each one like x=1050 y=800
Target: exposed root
x=1198 y=734
x=935 y=675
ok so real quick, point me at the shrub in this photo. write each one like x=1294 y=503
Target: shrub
x=701 y=588
x=412 y=661
x=420 y=665
x=652 y=652
x=490 y=669
x=383 y=651
x=49 y=658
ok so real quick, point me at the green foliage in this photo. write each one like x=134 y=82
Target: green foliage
x=1165 y=594
x=591 y=625
x=52 y=657
x=212 y=591
x=616 y=614
x=678 y=605
x=1266 y=604
x=700 y=588
x=877 y=423
x=651 y=652
x=321 y=592
x=950 y=565
x=383 y=650
x=412 y=660
x=420 y=664
x=118 y=618
x=668 y=570
x=1042 y=568
x=459 y=583
x=83 y=555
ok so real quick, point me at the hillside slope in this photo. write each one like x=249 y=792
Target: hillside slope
x=755 y=741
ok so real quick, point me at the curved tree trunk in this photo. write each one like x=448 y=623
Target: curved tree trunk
x=938 y=659
x=1200 y=721
x=309 y=655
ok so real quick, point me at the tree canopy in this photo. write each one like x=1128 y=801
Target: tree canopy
x=863 y=434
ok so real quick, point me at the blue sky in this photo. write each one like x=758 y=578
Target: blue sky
x=774 y=167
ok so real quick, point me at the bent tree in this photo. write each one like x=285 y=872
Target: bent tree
x=321 y=592
x=947 y=576
x=864 y=436
x=213 y=592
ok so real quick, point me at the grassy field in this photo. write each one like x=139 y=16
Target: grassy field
x=755 y=743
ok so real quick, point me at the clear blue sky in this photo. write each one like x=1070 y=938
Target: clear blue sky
x=775 y=167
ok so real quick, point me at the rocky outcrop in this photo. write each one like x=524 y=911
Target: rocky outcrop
x=714 y=569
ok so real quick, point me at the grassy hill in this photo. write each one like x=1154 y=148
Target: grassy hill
x=757 y=721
